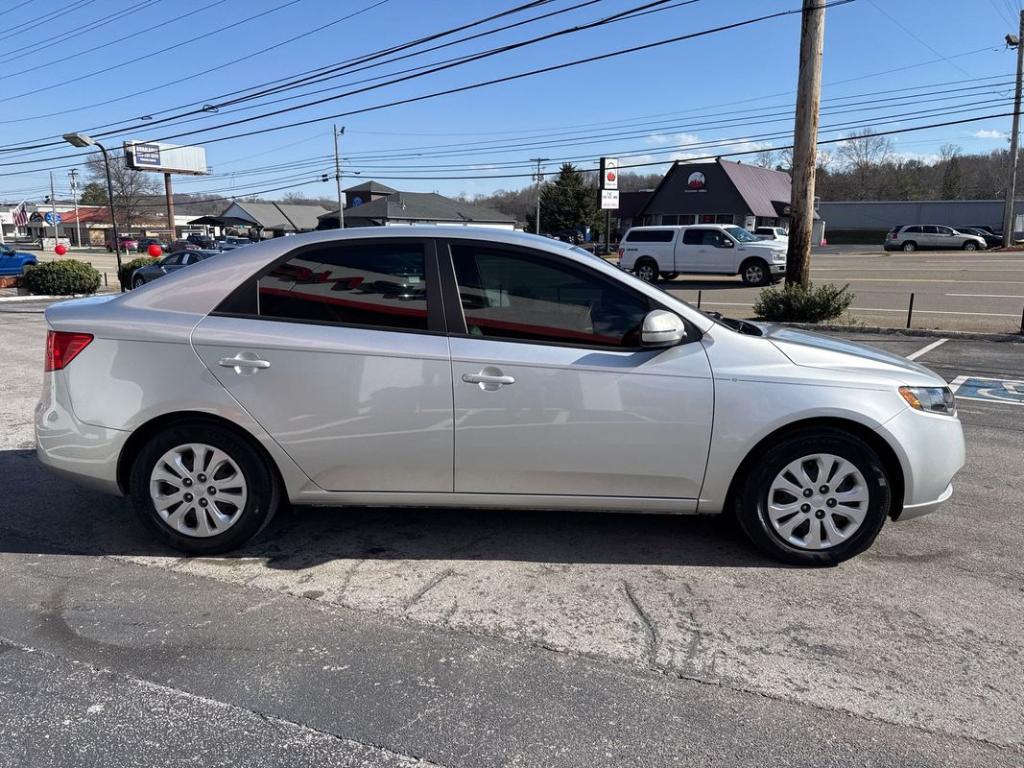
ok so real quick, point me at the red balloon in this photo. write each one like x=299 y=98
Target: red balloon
x=60 y=250
x=155 y=250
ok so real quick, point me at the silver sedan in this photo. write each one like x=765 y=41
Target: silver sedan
x=477 y=368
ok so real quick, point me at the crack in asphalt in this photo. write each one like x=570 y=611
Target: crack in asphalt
x=650 y=629
x=420 y=593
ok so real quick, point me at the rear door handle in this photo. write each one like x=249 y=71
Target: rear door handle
x=489 y=379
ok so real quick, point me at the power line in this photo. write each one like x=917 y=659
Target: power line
x=70 y=8
x=912 y=34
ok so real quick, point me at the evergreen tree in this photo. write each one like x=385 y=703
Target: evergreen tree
x=569 y=204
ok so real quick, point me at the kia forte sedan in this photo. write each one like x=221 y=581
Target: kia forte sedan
x=469 y=367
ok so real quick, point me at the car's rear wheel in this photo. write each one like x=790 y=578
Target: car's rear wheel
x=203 y=489
x=138 y=281
x=816 y=498
x=909 y=247
x=647 y=270
x=970 y=246
x=755 y=272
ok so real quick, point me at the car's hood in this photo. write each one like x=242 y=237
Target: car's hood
x=814 y=350
x=771 y=245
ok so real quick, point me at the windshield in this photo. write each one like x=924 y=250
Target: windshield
x=741 y=234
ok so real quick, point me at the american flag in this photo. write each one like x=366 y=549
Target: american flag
x=20 y=215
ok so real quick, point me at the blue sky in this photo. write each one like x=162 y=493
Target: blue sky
x=648 y=107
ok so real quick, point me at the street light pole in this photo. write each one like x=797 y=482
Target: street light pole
x=540 y=178
x=1011 y=184
x=337 y=176
x=82 y=140
x=53 y=213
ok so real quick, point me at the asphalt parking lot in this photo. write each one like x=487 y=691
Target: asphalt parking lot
x=433 y=637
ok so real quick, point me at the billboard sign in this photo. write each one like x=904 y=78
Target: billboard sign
x=609 y=199
x=165 y=158
x=609 y=173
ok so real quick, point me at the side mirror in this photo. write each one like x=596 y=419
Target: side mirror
x=662 y=329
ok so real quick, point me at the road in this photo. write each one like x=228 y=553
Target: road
x=384 y=637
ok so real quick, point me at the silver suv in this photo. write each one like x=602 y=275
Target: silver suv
x=910 y=238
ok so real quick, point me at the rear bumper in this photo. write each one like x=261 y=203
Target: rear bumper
x=81 y=452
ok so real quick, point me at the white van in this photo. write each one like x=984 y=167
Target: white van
x=712 y=249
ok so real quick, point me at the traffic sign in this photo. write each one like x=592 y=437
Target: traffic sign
x=49 y=217
x=609 y=199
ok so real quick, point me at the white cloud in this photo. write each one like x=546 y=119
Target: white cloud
x=988 y=134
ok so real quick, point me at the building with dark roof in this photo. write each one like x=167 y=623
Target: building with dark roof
x=383 y=207
x=720 y=192
x=275 y=219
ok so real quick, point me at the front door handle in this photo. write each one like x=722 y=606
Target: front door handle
x=489 y=379
x=244 y=363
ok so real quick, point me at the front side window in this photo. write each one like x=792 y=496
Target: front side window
x=375 y=284
x=516 y=296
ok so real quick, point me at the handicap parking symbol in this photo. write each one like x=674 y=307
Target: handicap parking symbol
x=989 y=390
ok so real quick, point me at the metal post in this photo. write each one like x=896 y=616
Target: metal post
x=699 y=294
x=337 y=176
x=53 y=212
x=73 y=173
x=169 y=194
x=607 y=231
x=805 y=143
x=1011 y=184
x=539 y=178
x=910 y=310
x=113 y=216
x=1022 y=322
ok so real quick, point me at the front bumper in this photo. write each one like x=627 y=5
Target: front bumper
x=931 y=450
x=82 y=452
x=777 y=269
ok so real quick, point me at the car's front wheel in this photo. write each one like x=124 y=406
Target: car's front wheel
x=817 y=497
x=203 y=489
x=754 y=272
x=970 y=245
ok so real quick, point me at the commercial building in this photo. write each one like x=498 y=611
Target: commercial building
x=869 y=220
x=375 y=205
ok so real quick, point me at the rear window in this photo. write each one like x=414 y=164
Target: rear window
x=650 y=236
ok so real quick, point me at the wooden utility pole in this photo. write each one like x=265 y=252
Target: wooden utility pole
x=1011 y=183
x=805 y=143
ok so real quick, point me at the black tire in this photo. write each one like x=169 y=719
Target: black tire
x=970 y=245
x=751 y=498
x=669 y=275
x=755 y=272
x=909 y=247
x=647 y=270
x=137 y=282
x=263 y=497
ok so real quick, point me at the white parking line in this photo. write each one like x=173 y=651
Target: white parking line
x=926 y=349
x=986 y=295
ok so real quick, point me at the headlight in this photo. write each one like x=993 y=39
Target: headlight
x=931 y=399
x=780 y=256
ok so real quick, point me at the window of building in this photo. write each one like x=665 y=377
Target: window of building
x=380 y=285
x=677 y=219
x=517 y=296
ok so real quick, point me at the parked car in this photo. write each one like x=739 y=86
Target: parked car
x=169 y=264
x=912 y=237
x=772 y=233
x=13 y=262
x=128 y=243
x=714 y=249
x=991 y=239
x=183 y=245
x=145 y=242
x=268 y=375
x=231 y=243
x=202 y=241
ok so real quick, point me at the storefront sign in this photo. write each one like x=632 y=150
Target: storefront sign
x=609 y=199
x=696 y=182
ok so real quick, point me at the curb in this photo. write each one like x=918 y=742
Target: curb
x=30 y=297
x=911 y=332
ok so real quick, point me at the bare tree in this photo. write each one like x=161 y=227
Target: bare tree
x=862 y=154
x=765 y=158
x=134 y=191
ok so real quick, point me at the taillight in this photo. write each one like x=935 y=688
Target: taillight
x=62 y=347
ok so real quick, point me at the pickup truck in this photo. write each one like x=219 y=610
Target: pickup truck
x=711 y=249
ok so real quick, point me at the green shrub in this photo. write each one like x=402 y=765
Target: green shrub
x=796 y=304
x=124 y=275
x=62 y=278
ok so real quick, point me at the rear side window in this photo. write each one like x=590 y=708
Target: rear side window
x=381 y=285
x=650 y=236
x=518 y=296
x=912 y=231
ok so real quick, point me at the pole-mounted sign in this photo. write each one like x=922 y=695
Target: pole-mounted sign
x=609 y=173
